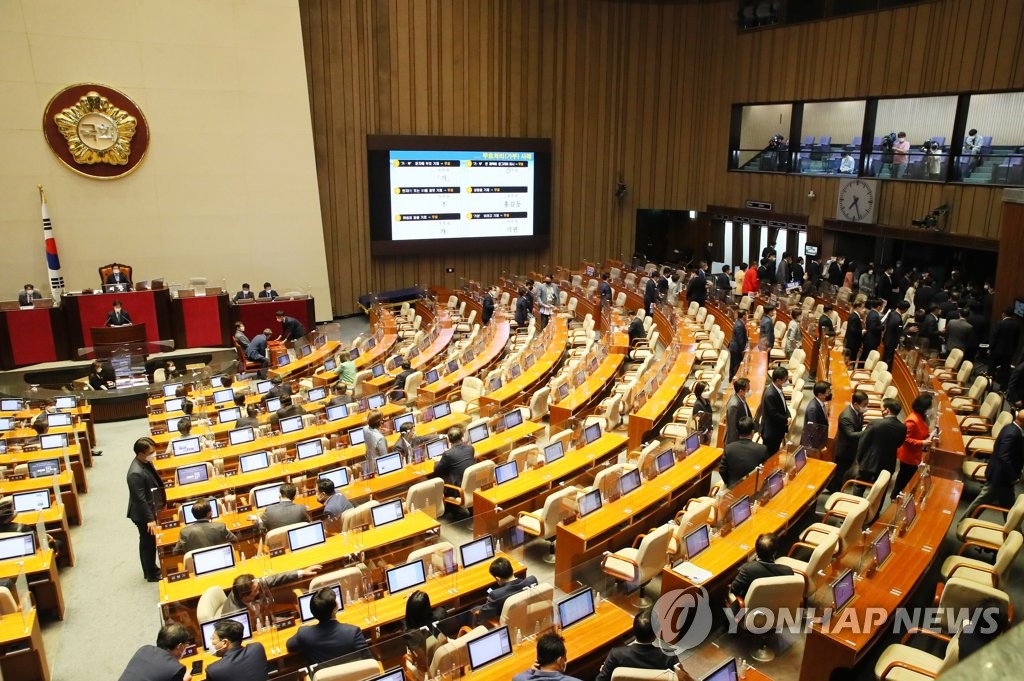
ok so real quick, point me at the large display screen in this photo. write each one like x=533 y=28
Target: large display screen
x=457 y=194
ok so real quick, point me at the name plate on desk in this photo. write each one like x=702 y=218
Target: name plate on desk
x=163 y=456
x=170 y=525
x=274 y=553
x=16 y=477
x=177 y=576
x=245 y=508
x=281 y=625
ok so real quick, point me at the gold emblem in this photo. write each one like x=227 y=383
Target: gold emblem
x=97 y=131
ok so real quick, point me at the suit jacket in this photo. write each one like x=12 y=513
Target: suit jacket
x=145 y=492
x=522 y=310
x=755 y=569
x=893 y=329
x=1007 y=457
x=854 y=331
x=487 y=308
x=1004 y=338
x=150 y=663
x=292 y=328
x=257 y=348
x=877 y=448
x=24 y=299
x=815 y=413
x=497 y=596
x=835 y=274
x=231 y=604
x=454 y=462
x=325 y=641
x=774 y=414
x=825 y=326
x=851 y=428
x=247 y=421
x=202 y=534
x=268 y=294
x=284 y=512
x=735 y=408
x=400 y=378
x=245 y=295
x=959 y=334
x=245 y=663
x=636 y=656
x=636 y=330
x=873 y=329
x=738 y=342
x=118 y=318
x=697 y=289
x=650 y=294
x=118 y=278
x=337 y=504
x=886 y=289
x=766 y=329
x=739 y=458
x=813 y=271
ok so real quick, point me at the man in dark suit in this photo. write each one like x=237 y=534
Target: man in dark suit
x=1005 y=338
x=636 y=331
x=930 y=328
x=814 y=271
x=285 y=511
x=650 y=295
x=796 y=271
x=116 y=278
x=406 y=371
x=145 y=499
x=341 y=394
x=328 y=638
x=825 y=325
x=257 y=349
x=456 y=459
x=851 y=427
x=291 y=328
x=774 y=412
x=742 y=456
x=836 y=271
x=697 y=287
x=766 y=329
x=872 y=329
x=885 y=287
x=854 y=332
x=117 y=316
x=815 y=433
x=27 y=295
x=202 y=533
x=604 y=290
x=640 y=654
x=247 y=589
x=523 y=308
x=487 y=306
x=237 y=662
x=736 y=408
x=244 y=294
x=1004 y=467
x=251 y=417
x=767 y=548
x=723 y=283
x=161 y=662
x=959 y=334
x=268 y=291
x=507 y=585
x=892 y=330
x=738 y=342
x=876 y=451
x=287 y=410
x=334 y=502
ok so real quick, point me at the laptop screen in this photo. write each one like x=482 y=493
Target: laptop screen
x=339 y=476
x=909 y=512
x=188 y=445
x=554 y=451
x=405 y=576
x=386 y=513
x=431 y=377
x=629 y=481
x=188 y=475
x=240 y=436
x=309 y=448
x=576 y=607
x=173 y=404
x=212 y=560
x=453 y=366
x=513 y=419
x=377 y=370
x=11 y=405
x=592 y=433
x=442 y=409
x=356 y=436
x=229 y=415
x=435 y=448
x=217 y=381
x=396 y=674
x=242 y=617
x=291 y=424
x=799 y=459
x=389 y=464
x=17 y=546
x=371 y=343
x=171 y=389
x=66 y=402
x=263 y=387
x=330 y=365
x=283 y=360
x=665 y=460
x=43 y=468
x=38 y=500
x=254 y=462
x=305 y=614
x=478 y=433
x=696 y=542
x=739 y=511
x=376 y=401
x=488 y=648
x=306 y=536
x=692 y=443
x=494 y=384
x=506 y=471
x=842 y=590
x=727 y=672
x=563 y=391
x=223 y=396
x=774 y=483
x=515 y=371
x=400 y=421
x=6 y=423
x=189 y=517
x=58 y=420
x=353 y=354
x=53 y=441
x=477 y=551
x=590 y=502
x=266 y=496
x=305 y=351
x=316 y=394
x=338 y=411
x=882 y=548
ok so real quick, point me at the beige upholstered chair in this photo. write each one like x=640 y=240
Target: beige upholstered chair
x=766 y=598
x=640 y=564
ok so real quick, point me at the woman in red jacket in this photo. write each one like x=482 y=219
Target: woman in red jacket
x=911 y=451
x=750 y=284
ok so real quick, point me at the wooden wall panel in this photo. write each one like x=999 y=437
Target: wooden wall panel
x=630 y=89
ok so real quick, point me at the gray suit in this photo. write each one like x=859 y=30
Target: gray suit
x=735 y=408
x=202 y=534
x=231 y=604
x=284 y=512
x=150 y=663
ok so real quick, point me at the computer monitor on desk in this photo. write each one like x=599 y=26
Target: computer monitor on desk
x=36 y=500
x=405 y=576
x=240 y=436
x=254 y=462
x=17 y=546
x=477 y=551
x=575 y=608
x=212 y=559
x=489 y=648
x=311 y=534
x=189 y=518
x=242 y=617
x=306 y=614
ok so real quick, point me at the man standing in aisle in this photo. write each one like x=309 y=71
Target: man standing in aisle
x=738 y=342
x=145 y=499
x=547 y=300
x=774 y=412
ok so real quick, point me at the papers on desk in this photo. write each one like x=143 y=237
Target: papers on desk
x=692 y=573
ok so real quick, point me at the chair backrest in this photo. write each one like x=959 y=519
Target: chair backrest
x=821 y=555
x=361 y=378
x=556 y=509
x=412 y=385
x=1001 y=422
x=638 y=674
x=349 y=671
x=277 y=538
x=476 y=476
x=529 y=610
x=426 y=496
x=106 y=270
x=349 y=579
x=472 y=388
x=772 y=595
x=977 y=388
x=697 y=513
x=614 y=413
x=210 y=603
x=991 y=406
x=853 y=523
x=453 y=655
x=693 y=309
x=539 y=403
x=1007 y=553
x=871 y=360
x=607 y=479
x=432 y=556
x=964 y=374
x=956 y=355
x=653 y=553
x=959 y=594
x=358 y=516
x=523 y=455
x=877 y=490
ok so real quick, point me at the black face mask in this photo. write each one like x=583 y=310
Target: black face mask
x=827 y=398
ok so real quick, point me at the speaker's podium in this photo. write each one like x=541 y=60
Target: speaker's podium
x=126 y=348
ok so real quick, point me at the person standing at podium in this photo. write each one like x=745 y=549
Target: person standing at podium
x=245 y=294
x=115 y=278
x=27 y=295
x=291 y=328
x=118 y=317
x=268 y=291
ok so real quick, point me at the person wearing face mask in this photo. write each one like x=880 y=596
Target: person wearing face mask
x=335 y=503
x=118 y=316
x=851 y=427
x=876 y=451
x=547 y=300
x=145 y=499
x=773 y=411
x=118 y=279
x=237 y=662
x=911 y=452
x=551 y=661
x=815 y=432
x=268 y=291
x=162 y=661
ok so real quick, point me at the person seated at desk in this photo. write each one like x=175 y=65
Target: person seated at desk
x=346 y=371
x=98 y=378
x=455 y=460
x=767 y=548
x=641 y=653
x=335 y=503
x=240 y=336
x=278 y=388
x=256 y=351
x=41 y=424
x=288 y=409
x=237 y=662
x=743 y=455
x=203 y=532
x=551 y=661
x=268 y=291
x=184 y=431
x=246 y=588
x=161 y=662
x=636 y=332
x=408 y=440
x=406 y=371
x=507 y=584
x=244 y=294
x=341 y=396
x=115 y=278
x=291 y=328
x=7 y=514
x=27 y=295
x=251 y=412
x=847 y=166
x=420 y=614
x=118 y=316
x=328 y=638
x=285 y=511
